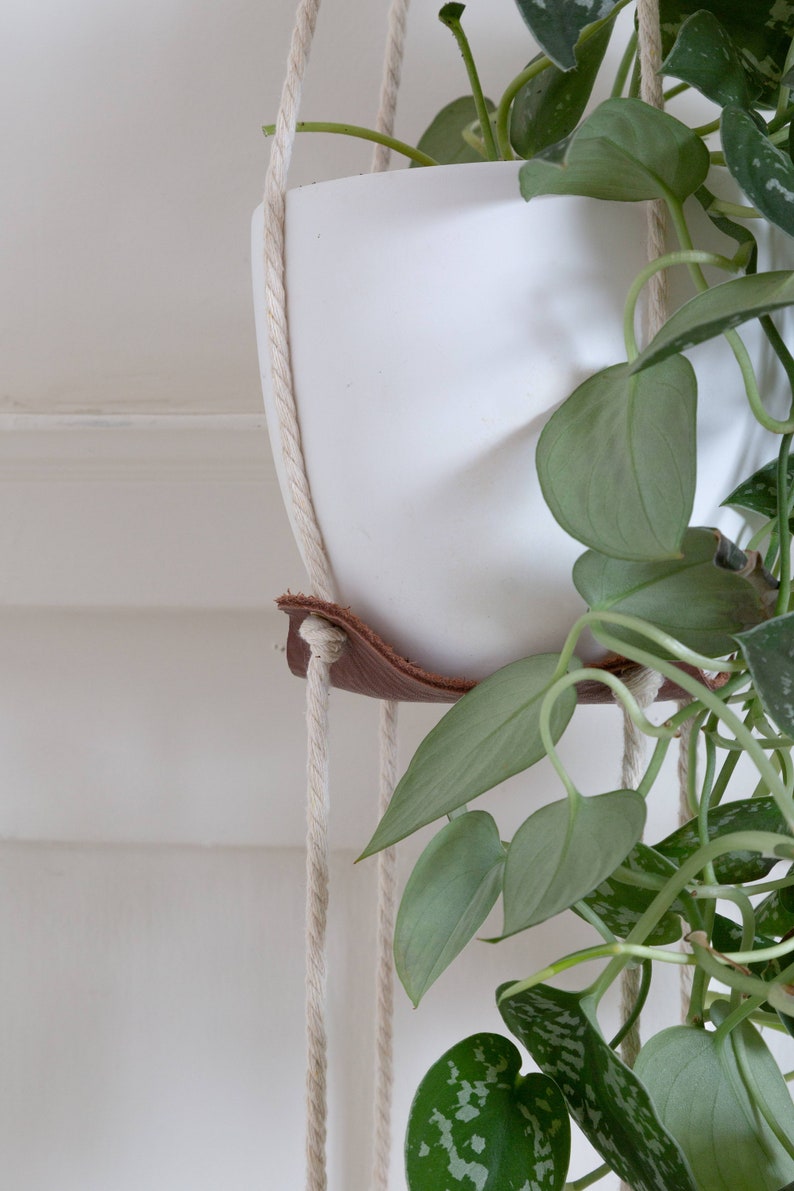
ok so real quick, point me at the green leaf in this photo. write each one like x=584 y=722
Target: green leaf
x=717 y=310
x=697 y=1087
x=449 y=894
x=486 y=737
x=564 y=850
x=626 y=151
x=769 y=652
x=748 y=814
x=694 y=600
x=621 y=905
x=557 y=27
x=759 y=492
x=476 y=1123
x=616 y=462
x=760 y=29
x=443 y=139
x=608 y=1101
x=747 y=256
x=705 y=56
x=775 y=914
x=764 y=172
x=549 y=106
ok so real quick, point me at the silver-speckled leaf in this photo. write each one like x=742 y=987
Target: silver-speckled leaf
x=610 y=1104
x=477 y=1125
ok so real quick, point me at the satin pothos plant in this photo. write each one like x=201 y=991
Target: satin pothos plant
x=706 y=1107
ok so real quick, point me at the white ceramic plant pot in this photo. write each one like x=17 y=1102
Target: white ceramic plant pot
x=436 y=321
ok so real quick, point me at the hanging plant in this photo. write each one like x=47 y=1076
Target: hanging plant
x=706 y=1107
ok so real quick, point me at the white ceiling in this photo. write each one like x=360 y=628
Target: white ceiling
x=133 y=158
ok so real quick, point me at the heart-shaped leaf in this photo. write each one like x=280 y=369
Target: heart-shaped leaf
x=549 y=106
x=564 y=850
x=698 y=602
x=764 y=172
x=616 y=462
x=621 y=905
x=769 y=652
x=476 y=1122
x=608 y=1101
x=760 y=29
x=705 y=56
x=486 y=737
x=717 y=310
x=451 y=891
x=626 y=151
x=557 y=27
x=748 y=814
x=443 y=138
x=759 y=492
x=698 y=1090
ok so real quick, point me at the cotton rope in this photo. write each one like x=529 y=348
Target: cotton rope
x=645 y=686
x=326 y=641
x=387 y=729
x=384 y=979
x=390 y=83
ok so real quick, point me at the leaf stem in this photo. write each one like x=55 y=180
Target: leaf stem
x=624 y=66
x=587 y=1180
x=450 y=16
x=714 y=703
x=764 y=842
x=784 y=534
x=637 y=1007
x=365 y=134
x=684 y=257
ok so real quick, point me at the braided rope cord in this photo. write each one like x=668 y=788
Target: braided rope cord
x=326 y=642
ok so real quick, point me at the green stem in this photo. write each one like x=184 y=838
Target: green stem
x=685 y=257
x=718 y=891
x=784 y=555
x=621 y=953
x=502 y=121
x=734 y=210
x=736 y=1017
x=638 y=1006
x=678 y=89
x=666 y=643
x=621 y=692
x=713 y=702
x=704 y=130
x=765 y=842
x=780 y=349
x=450 y=16
x=595 y=920
x=365 y=134
x=624 y=66
x=587 y=1180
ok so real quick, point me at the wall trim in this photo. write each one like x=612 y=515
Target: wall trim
x=143 y=448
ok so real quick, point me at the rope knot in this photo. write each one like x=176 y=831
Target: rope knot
x=325 y=640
